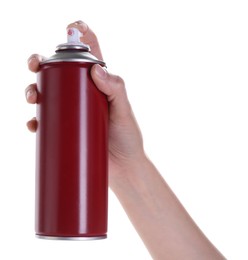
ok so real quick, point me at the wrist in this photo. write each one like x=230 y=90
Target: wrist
x=130 y=173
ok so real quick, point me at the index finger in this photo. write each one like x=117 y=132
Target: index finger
x=89 y=38
x=34 y=62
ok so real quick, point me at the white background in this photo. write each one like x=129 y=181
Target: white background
x=185 y=64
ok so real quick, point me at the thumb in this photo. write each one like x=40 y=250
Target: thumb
x=114 y=88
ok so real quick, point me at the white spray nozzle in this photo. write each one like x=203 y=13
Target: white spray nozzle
x=73 y=35
x=73 y=41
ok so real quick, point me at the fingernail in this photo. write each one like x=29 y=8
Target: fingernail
x=100 y=71
x=32 y=57
x=83 y=26
x=29 y=93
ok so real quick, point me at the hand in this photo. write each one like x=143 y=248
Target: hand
x=125 y=139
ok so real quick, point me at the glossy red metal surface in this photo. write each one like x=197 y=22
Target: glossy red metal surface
x=72 y=149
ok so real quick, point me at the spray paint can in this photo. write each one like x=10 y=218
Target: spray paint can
x=71 y=146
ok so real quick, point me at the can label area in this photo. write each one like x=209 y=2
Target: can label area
x=72 y=154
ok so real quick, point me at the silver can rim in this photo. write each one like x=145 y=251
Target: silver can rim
x=76 y=238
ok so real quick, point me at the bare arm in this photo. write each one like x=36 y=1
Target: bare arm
x=161 y=221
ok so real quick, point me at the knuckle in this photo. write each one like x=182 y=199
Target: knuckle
x=119 y=82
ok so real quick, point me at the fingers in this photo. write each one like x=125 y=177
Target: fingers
x=31 y=97
x=89 y=38
x=32 y=125
x=114 y=87
x=31 y=94
x=34 y=62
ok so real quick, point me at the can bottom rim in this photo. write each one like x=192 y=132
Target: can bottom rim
x=71 y=238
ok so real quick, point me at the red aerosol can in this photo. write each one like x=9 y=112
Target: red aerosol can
x=72 y=146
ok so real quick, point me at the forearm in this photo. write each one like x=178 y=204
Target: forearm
x=161 y=221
